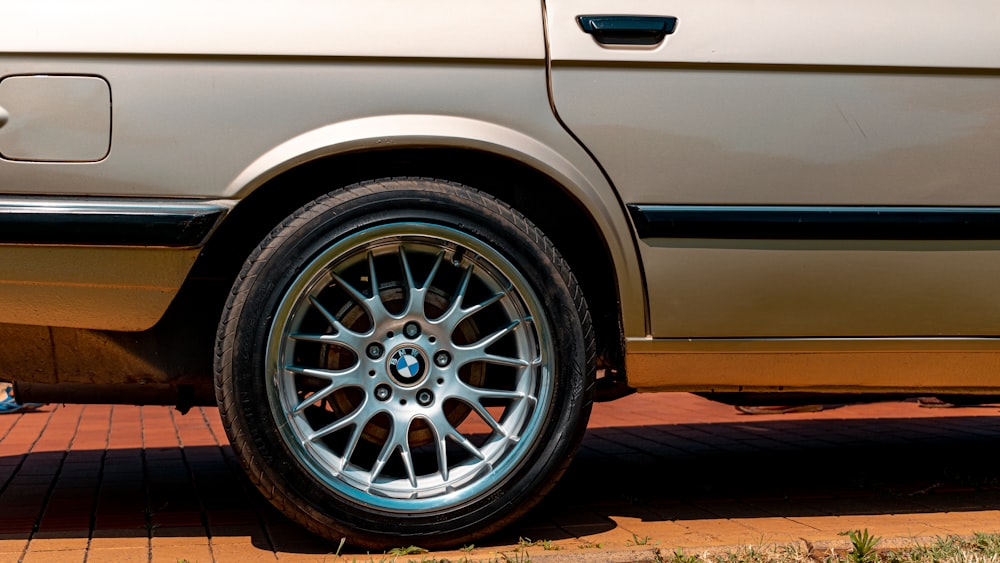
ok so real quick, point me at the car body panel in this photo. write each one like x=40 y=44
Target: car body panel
x=534 y=140
x=911 y=33
x=760 y=288
x=505 y=112
x=170 y=120
x=108 y=264
x=90 y=287
x=774 y=104
x=272 y=205
x=489 y=29
x=824 y=365
x=740 y=119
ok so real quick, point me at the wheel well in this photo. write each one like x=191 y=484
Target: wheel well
x=537 y=196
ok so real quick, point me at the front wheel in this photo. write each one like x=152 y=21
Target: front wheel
x=405 y=361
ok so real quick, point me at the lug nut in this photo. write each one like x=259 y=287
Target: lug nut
x=411 y=330
x=424 y=397
x=382 y=392
x=442 y=359
x=375 y=350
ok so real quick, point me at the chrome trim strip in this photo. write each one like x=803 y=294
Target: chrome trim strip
x=108 y=221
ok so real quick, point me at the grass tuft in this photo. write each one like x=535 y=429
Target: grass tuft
x=862 y=546
x=411 y=550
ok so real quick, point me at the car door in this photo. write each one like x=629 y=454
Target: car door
x=796 y=169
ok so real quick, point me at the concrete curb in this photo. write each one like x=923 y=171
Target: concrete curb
x=818 y=551
x=637 y=555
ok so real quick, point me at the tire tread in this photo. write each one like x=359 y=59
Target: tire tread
x=252 y=454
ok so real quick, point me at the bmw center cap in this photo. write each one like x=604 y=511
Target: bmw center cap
x=407 y=365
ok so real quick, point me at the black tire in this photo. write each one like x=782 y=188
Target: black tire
x=408 y=416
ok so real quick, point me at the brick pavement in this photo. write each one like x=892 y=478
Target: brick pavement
x=103 y=483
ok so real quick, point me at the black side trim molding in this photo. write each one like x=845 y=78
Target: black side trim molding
x=107 y=222
x=815 y=223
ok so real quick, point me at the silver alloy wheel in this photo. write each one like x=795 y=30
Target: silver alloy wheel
x=408 y=367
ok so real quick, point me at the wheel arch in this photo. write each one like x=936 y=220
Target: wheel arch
x=529 y=175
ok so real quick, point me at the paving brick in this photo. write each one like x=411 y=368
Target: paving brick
x=696 y=533
x=674 y=467
x=777 y=530
x=120 y=540
x=192 y=553
x=635 y=531
x=58 y=541
x=12 y=545
x=242 y=553
x=63 y=556
x=167 y=537
x=120 y=555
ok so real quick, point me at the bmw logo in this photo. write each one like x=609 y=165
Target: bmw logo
x=407 y=365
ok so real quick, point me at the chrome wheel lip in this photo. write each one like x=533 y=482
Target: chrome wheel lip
x=463 y=483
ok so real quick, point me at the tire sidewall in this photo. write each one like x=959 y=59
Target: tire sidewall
x=341 y=214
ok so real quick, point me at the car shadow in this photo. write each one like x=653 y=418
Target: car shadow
x=770 y=468
x=767 y=467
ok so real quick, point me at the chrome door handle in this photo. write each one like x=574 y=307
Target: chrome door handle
x=4 y=116
x=628 y=30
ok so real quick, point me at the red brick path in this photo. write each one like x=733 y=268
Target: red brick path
x=103 y=483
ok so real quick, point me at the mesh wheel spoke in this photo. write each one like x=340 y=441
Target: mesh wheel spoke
x=327 y=374
x=417 y=428
x=338 y=380
x=342 y=335
x=497 y=394
x=397 y=441
x=469 y=446
x=337 y=426
x=488 y=418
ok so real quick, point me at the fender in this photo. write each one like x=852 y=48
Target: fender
x=570 y=167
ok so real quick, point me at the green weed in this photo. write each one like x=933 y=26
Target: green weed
x=862 y=546
x=680 y=557
x=589 y=545
x=547 y=545
x=636 y=540
x=411 y=550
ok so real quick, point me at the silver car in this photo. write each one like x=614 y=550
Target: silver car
x=397 y=242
